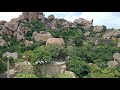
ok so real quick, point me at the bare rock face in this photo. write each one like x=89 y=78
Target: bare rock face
x=87 y=34
x=54 y=23
x=1 y=27
x=97 y=28
x=22 y=30
x=13 y=55
x=111 y=33
x=8 y=32
x=55 y=41
x=51 y=17
x=78 y=21
x=118 y=44
x=32 y=15
x=42 y=36
x=20 y=37
x=116 y=57
x=113 y=63
x=25 y=15
x=28 y=43
x=65 y=24
x=34 y=33
x=9 y=28
x=40 y=15
x=2 y=22
x=2 y=42
x=15 y=34
x=83 y=22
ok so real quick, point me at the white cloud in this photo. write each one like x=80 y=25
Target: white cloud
x=70 y=16
x=102 y=18
x=110 y=19
x=7 y=16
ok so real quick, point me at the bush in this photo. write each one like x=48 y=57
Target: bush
x=49 y=53
x=25 y=75
x=34 y=25
x=78 y=66
x=63 y=76
x=97 y=72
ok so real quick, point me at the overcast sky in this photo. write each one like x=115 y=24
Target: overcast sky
x=110 y=19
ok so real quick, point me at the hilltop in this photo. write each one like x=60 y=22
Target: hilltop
x=87 y=50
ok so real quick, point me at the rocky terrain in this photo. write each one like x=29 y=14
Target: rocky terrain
x=32 y=30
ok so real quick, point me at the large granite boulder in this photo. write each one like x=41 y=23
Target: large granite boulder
x=98 y=28
x=28 y=43
x=42 y=36
x=2 y=42
x=112 y=63
x=51 y=17
x=55 y=41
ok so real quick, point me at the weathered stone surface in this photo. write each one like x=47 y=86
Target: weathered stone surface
x=15 y=34
x=8 y=32
x=11 y=26
x=87 y=34
x=20 y=37
x=2 y=22
x=28 y=43
x=83 y=22
x=22 y=30
x=110 y=33
x=40 y=15
x=98 y=28
x=13 y=55
x=51 y=17
x=55 y=41
x=42 y=36
x=118 y=44
x=116 y=57
x=32 y=15
x=78 y=21
x=34 y=33
x=54 y=23
x=2 y=42
x=113 y=63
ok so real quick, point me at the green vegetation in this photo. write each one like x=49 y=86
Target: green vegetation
x=48 y=53
x=80 y=50
x=25 y=75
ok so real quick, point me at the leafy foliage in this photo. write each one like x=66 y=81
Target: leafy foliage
x=97 y=72
x=48 y=53
x=78 y=66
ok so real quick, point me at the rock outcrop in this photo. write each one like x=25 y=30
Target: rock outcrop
x=55 y=41
x=2 y=42
x=28 y=43
x=112 y=64
x=98 y=28
x=42 y=36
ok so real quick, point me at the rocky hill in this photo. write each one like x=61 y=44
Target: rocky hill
x=33 y=37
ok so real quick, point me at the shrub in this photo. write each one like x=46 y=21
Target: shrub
x=25 y=75
x=97 y=72
x=48 y=53
x=63 y=76
x=78 y=66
